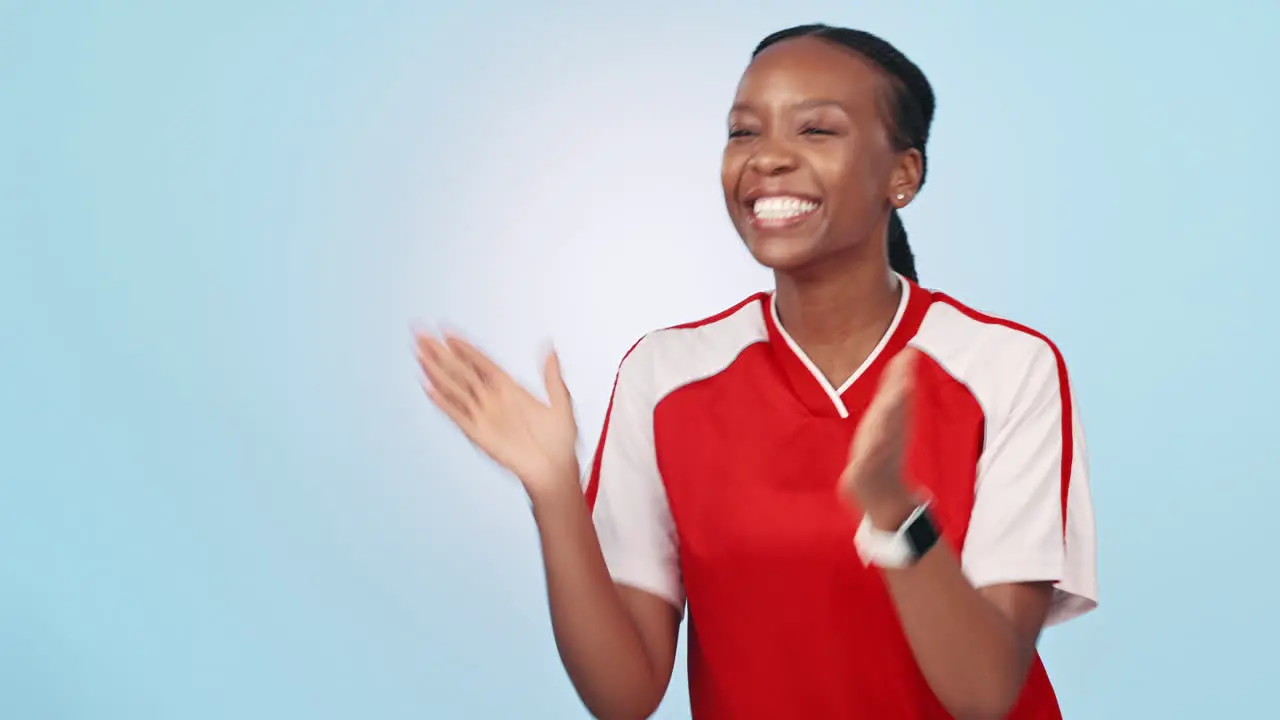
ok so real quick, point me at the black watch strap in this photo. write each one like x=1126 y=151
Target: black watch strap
x=921 y=533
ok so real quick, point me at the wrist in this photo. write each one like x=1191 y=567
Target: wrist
x=553 y=485
x=558 y=507
x=901 y=547
x=888 y=512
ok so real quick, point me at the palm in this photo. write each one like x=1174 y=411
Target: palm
x=519 y=431
x=533 y=439
x=875 y=458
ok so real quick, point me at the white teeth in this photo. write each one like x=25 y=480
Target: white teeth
x=782 y=207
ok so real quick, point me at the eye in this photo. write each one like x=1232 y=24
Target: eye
x=739 y=133
x=812 y=130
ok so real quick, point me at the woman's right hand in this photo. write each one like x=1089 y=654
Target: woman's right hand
x=535 y=440
x=617 y=644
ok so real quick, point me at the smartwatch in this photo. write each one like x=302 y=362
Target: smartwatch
x=900 y=548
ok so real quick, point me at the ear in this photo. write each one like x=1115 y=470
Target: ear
x=905 y=179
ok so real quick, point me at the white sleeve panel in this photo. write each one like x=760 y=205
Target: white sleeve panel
x=625 y=489
x=1077 y=591
x=1016 y=531
x=1024 y=477
x=628 y=500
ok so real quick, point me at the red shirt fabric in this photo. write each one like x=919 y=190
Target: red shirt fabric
x=713 y=486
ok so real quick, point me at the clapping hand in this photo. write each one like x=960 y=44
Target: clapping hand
x=872 y=480
x=533 y=439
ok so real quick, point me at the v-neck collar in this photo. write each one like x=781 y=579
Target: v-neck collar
x=813 y=388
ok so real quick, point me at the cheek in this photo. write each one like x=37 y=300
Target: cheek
x=731 y=165
x=848 y=178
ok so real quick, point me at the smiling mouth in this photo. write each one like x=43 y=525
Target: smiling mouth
x=780 y=211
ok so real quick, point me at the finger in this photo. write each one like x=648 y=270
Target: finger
x=899 y=375
x=451 y=410
x=557 y=391
x=486 y=369
x=448 y=375
x=896 y=386
x=463 y=374
x=850 y=472
x=441 y=393
x=885 y=418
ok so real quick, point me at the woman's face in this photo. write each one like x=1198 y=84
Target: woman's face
x=809 y=170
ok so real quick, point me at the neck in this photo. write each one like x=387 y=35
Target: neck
x=838 y=317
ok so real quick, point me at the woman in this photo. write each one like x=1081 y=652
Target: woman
x=869 y=497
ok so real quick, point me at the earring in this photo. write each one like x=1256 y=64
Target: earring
x=902 y=196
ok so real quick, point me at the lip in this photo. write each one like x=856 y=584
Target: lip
x=748 y=205
x=753 y=194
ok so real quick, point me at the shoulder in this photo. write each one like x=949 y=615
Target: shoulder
x=956 y=332
x=999 y=359
x=669 y=357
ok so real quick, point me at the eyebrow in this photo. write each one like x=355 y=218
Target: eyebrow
x=802 y=105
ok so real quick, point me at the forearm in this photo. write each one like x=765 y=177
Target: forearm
x=968 y=650
x=599 y=642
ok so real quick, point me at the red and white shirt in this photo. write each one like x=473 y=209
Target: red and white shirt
x=714 y=485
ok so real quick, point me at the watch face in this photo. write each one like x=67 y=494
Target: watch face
x=921 y=533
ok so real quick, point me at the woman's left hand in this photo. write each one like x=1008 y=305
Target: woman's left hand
x=873 y=478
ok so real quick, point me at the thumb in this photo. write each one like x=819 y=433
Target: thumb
x=897 y=385
x=899 y=376
x=557 y=391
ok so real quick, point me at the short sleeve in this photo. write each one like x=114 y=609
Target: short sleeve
x=1032 y=517
x=625 y=492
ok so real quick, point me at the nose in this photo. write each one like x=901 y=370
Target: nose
x=772 y=158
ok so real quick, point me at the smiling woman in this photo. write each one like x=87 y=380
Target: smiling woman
x=900 y=119
x=869 y=497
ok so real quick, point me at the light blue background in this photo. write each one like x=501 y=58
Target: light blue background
x=222 y=494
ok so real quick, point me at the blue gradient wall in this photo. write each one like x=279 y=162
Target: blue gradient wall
x=222 y=494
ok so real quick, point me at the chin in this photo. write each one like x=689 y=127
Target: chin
x=782 y=252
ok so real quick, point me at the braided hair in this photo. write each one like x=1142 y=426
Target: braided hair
x=908 y=110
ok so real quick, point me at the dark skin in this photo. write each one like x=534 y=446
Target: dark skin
x=801 y=127
x=806 y=121
x=809 y=121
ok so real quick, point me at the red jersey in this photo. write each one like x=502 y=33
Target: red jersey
x=713 y=486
